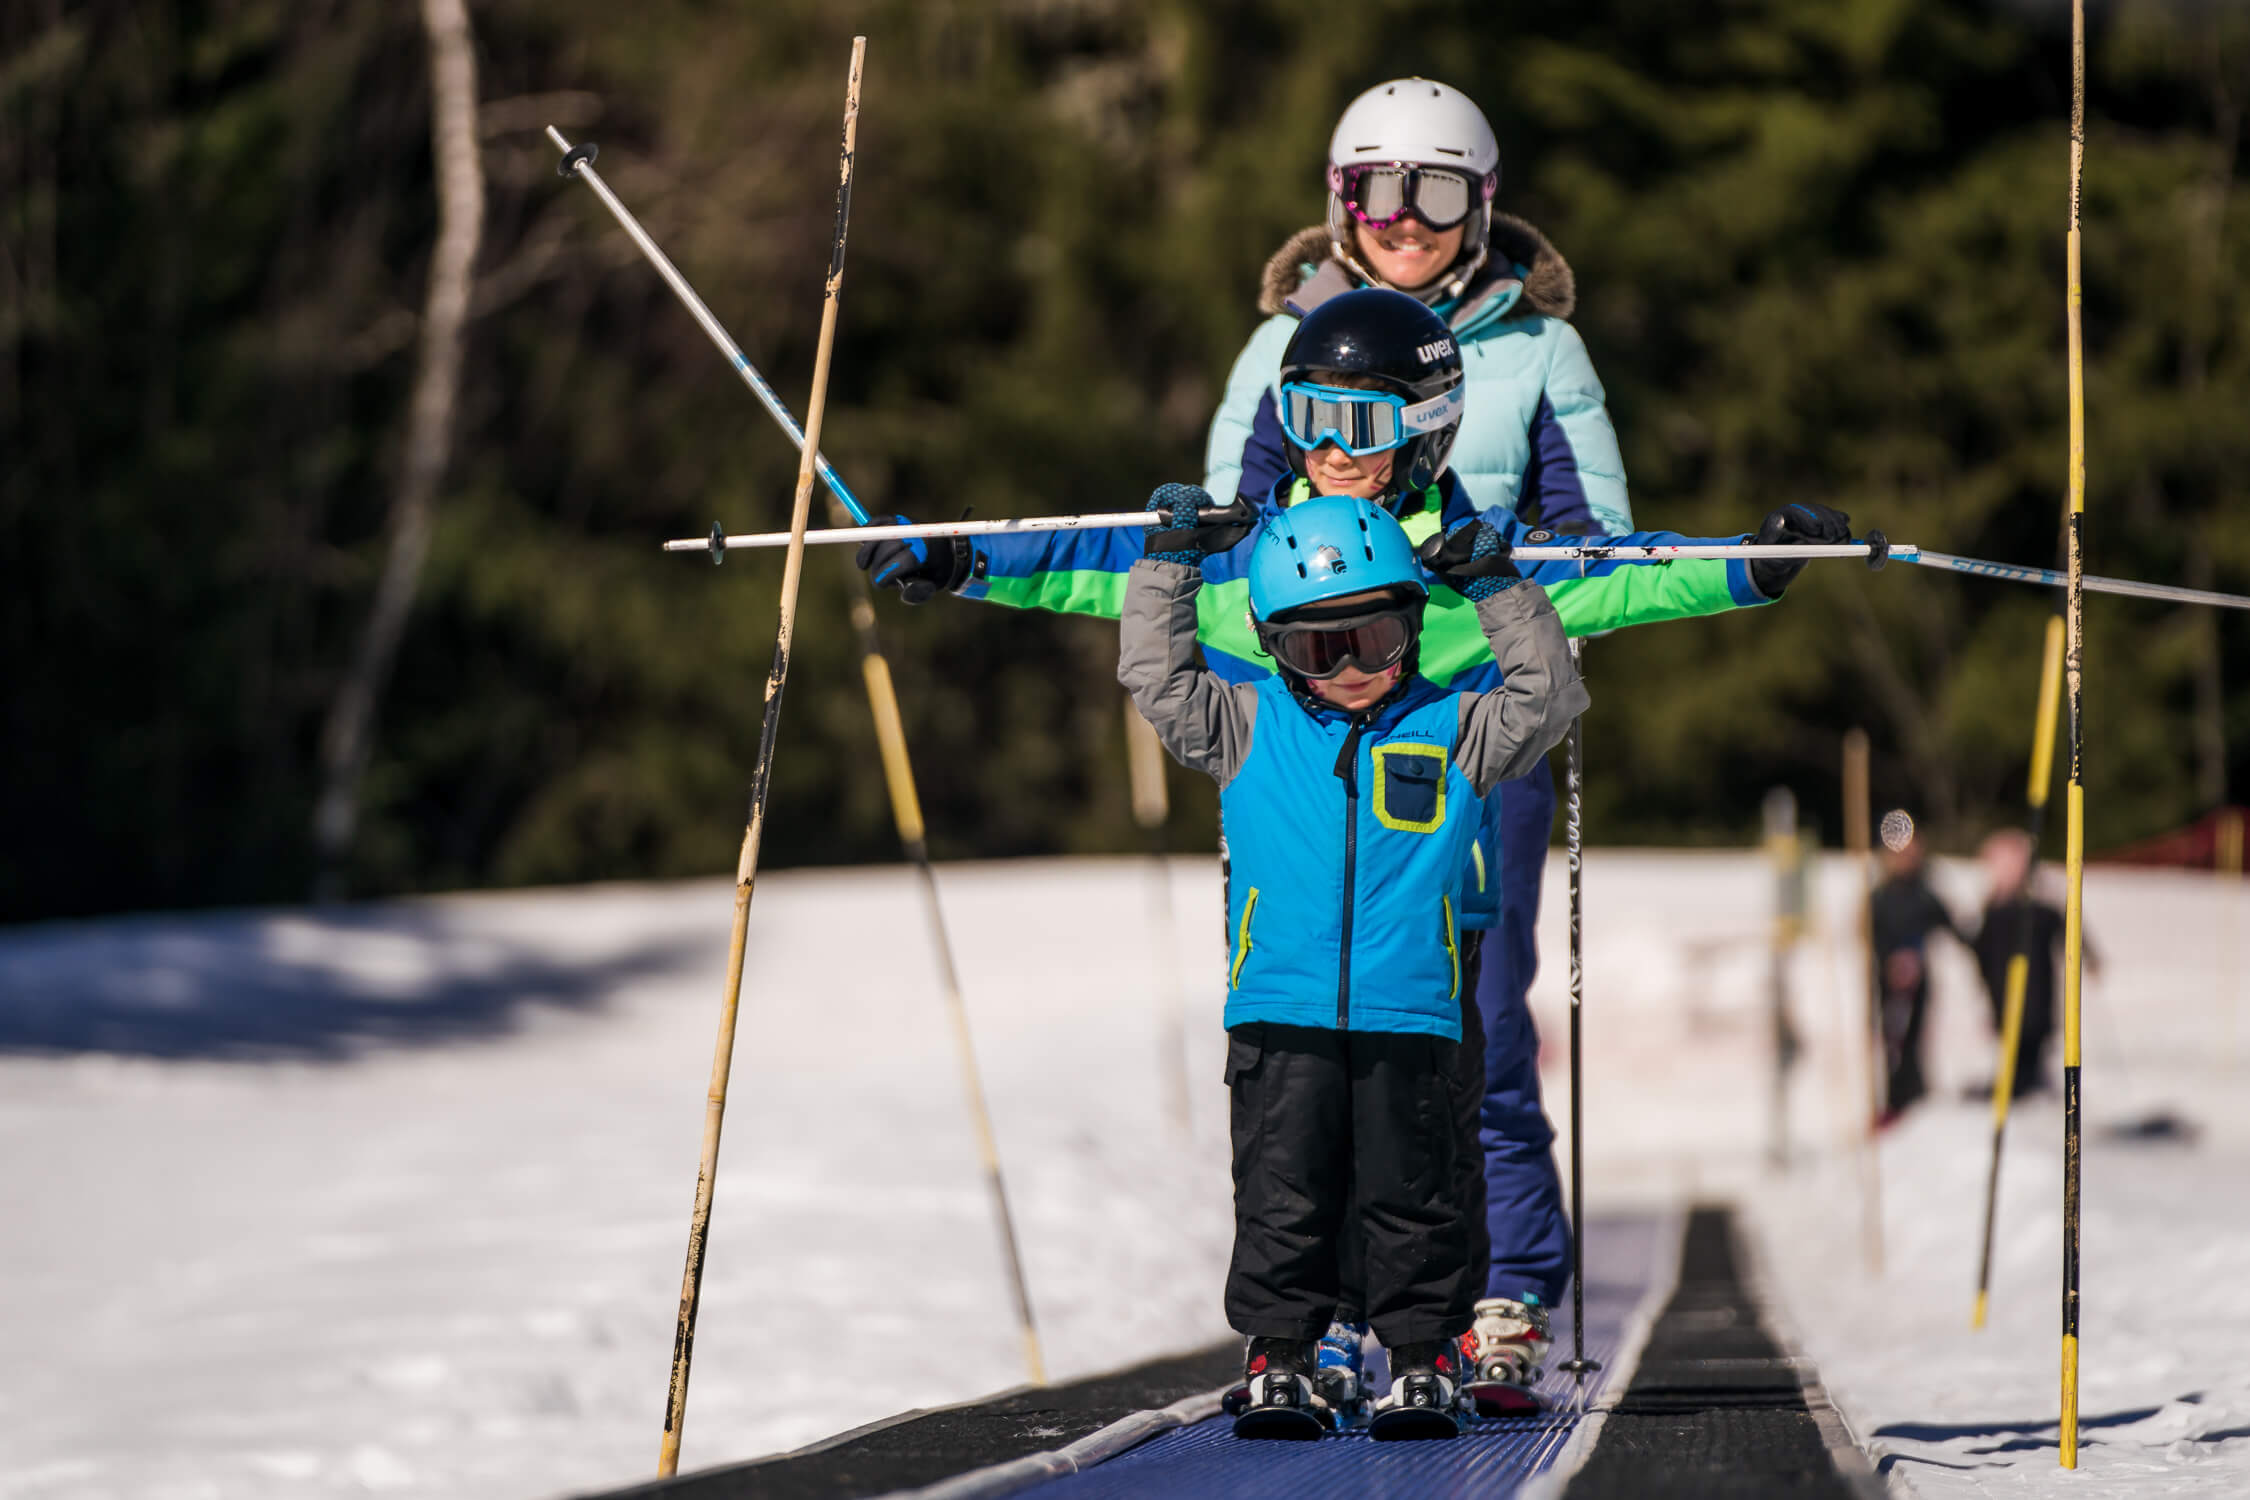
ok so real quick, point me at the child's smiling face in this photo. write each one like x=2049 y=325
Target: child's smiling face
x=1352 y=690
x=1332 y=471
x=1410 y=254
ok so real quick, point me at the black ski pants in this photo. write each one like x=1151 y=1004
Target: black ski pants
x=1329 y=1125
x=1468 y=1150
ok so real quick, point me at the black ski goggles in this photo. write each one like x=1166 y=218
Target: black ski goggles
x=1318 y=649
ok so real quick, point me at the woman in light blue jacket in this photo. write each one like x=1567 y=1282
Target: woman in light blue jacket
x=1413 y=167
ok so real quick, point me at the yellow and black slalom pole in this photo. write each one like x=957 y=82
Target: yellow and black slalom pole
x=2074 y=822
x=890 y=732
x=746 y=866
x=906 y=811
x=2019 y=962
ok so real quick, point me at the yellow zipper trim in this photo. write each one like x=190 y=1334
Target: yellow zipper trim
x=1242 y=943
x=1452 y=949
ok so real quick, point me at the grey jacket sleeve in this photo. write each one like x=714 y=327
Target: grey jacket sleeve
x=1505 y=731
x=1204 y=721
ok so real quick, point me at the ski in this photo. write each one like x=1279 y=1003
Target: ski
x=1408 y=1424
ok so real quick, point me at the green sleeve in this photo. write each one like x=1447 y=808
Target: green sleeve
x=1638 y=594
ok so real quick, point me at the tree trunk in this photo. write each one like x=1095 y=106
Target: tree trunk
x=347 y=738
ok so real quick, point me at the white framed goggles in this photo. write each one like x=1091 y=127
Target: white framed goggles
x=1379 y=194
x=1361 y=422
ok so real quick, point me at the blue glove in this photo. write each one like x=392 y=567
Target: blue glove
x=1473 y=558
x=917 y=567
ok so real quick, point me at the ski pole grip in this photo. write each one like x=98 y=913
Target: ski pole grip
x=1878 y=551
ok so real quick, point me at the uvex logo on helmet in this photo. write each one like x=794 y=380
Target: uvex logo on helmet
x=1435 y=350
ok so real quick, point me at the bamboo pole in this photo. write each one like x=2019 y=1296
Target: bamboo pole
x=1152 y=808
x=2074 y=846
x=2019 y=962
x=746 y=866
x=1859 y=839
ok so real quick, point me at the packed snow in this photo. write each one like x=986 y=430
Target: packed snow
x=394 y=1197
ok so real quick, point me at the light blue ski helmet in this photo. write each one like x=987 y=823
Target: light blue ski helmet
x=1325 y=548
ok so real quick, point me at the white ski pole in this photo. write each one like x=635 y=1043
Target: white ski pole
x=719 y=542
x=1875 y=551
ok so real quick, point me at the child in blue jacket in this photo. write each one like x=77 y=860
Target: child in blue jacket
x=1352 y=790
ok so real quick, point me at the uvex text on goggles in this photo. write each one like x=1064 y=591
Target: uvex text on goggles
x=1361 y=422
x=1319 y=649
x=1379 y=194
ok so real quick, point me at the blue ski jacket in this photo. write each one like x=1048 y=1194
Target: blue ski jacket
x=1348 y=832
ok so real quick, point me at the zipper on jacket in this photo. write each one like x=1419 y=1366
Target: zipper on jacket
x=1242 y=941
x=1452 y=947
x=1347 y=767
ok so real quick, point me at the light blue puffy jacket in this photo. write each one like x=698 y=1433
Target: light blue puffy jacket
x=1535 y=439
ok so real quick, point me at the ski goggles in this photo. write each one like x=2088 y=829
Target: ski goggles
x=1379 y=194
x=1360 y=422
x=1319 y=649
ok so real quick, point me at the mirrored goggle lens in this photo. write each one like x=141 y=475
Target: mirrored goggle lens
x=1381 y=196
x=1370 y=644
x=1356 y=421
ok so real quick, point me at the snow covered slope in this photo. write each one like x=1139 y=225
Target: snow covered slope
x=394 y=1198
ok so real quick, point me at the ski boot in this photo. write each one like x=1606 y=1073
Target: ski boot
x=1280 y=1401
x=1339 y=1375
x=1504 y=1349
x=1425 y=1398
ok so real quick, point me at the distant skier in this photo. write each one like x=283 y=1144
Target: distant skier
x=1352 y=789
x=1905 y=911
x=1403 y=429
x=2015 y=919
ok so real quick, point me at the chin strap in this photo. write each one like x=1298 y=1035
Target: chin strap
x=1464 y=270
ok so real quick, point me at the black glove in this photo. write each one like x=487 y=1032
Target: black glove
x=1188 y=538
x=1805 y=521
x=1472 y=557
x=917 y=566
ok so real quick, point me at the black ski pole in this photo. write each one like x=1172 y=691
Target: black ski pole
x=1574 y=777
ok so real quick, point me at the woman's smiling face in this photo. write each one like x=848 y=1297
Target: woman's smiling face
x=1409 y=254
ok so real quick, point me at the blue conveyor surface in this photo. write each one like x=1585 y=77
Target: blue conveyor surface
x=1491 y=1459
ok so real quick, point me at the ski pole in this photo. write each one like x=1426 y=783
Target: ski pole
x=2021 y=573
x=746 y=866
x=890 y=734
x=719 y=542
x=2074 y=822
x=2019 y=962
x=578 y=162
x=1574 y=781
x=1875 y=551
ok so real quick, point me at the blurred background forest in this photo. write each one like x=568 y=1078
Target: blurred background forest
x=1818 y=247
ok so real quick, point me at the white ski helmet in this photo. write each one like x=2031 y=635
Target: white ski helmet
x=1416 y=120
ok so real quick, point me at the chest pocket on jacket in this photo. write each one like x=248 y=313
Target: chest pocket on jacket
x=1410 y=787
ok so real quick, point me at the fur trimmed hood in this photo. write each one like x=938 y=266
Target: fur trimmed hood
x=1549 y=289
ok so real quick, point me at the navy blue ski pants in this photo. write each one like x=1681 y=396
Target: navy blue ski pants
x=1523 y=1192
